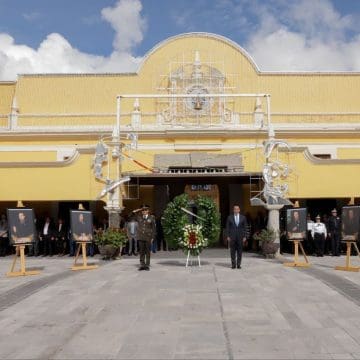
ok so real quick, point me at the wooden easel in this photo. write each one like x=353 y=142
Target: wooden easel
x=296 y=262
x=187 y=259
x=22 y=271
x=84 y=266
x=348 y=266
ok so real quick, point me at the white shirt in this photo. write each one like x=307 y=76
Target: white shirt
x=310 y=225
x=46 y=228
x=132 y=227
x=318 y=228
x=237 y=219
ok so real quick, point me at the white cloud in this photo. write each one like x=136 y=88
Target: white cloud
x=127 y=22
x=281 y=35
x=32 y=16
x=312 y=36
x=56 y=55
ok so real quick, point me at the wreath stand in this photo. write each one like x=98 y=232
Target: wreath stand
x=348 y=266
x=187 y=259
x=297 y=263
x=22 y=272
x=84 y=266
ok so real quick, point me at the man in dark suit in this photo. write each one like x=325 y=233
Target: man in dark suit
x=60 y=233
x=235 y=231
x=47 y=237
x=334 y=232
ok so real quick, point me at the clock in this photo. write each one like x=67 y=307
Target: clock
x=197 y=103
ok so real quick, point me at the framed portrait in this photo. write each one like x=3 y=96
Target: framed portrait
x=350 y=223
x=296 y=224
x=81 y=225
x=21 y=226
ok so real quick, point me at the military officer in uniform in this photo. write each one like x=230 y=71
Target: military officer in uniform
x=319 y=233
x=146 y=233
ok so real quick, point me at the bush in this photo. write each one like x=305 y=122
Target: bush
x=113 y=237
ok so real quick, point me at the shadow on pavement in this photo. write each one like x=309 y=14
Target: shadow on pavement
x=181 y=263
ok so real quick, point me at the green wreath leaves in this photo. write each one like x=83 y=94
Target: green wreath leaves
x=174 y=220
x=207 y=210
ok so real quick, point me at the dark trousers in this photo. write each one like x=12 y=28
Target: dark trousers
x=236 y=247
x=144 y=253
x=335 y=243
x=49 y=245
x=34 y=247
x=319 y=240
x=3 y=245
x=61 y=246
x=72 y=247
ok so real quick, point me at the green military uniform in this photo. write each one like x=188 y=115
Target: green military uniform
x=146 y=235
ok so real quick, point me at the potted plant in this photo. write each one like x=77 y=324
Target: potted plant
x=266 y=238
x=110 y=242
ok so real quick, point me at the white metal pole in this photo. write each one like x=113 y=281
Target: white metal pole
x=270 y=129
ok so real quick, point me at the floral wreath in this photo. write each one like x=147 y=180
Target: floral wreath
x=193 y=239
x=175 y=219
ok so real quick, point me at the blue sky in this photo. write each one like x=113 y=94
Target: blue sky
x=113 y=35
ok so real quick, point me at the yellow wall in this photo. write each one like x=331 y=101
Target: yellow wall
x=7 y=90
x=64 y=100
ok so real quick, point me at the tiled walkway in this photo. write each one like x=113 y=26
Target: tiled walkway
x=263 y=311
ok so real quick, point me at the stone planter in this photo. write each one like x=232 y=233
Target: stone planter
x=269 y=249
x=108 y=251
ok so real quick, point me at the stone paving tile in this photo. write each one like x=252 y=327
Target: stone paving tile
x=263 y=311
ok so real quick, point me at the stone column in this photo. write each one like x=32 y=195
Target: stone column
x=114 y=217
x=273 y=221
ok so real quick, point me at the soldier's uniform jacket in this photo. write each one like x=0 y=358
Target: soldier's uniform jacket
x=146 y=228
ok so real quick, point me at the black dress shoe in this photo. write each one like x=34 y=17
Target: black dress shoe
x=233 y=266
x=239 y=267
x=141 y=268
x=147 y=268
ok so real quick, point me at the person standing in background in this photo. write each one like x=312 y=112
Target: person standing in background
x=319 y=233
x=334 y=232
x=131 y=231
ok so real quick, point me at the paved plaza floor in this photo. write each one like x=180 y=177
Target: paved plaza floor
x=262 y=311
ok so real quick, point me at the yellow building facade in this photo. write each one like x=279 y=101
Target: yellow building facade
x=198 y=113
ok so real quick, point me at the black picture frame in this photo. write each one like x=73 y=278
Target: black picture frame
x=21 y=226
x=350 y=223
x=296 y=224
x=81 y=222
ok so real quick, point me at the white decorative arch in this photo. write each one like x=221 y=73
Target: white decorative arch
x=223 y=39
